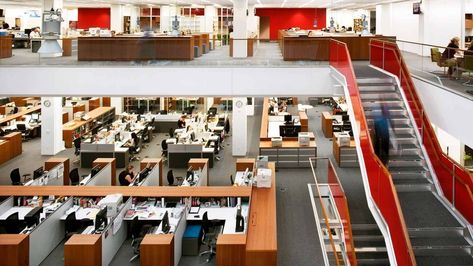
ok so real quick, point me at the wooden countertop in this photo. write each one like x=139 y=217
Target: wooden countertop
x=231 y=239
x=262 y=224
x=20 y=114
x=73 y=125
x=79 y=239
x=286 y=144
x=214 y=191
x=12 y=239
x=162 y=239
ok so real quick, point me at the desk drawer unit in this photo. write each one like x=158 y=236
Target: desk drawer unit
x=289 y=157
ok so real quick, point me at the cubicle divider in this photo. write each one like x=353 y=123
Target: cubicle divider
x=102 y=178
x=102 y=162
x=115 y=234
x=203 y=165
x=47 y=235
x=155 y=177
x=53 y=177
x=6 y=205
x=53 y=162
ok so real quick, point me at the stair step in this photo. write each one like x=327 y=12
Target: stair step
x=391 y=116
x=436 y=232
x=369 y=241
x=461 y=260
x=377 y=262
x=409 y=169
x=374 y=81
x=453 y=250
x=380 y=95
x=376 y=88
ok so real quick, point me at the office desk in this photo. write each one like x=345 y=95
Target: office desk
x=81 y=213
x=5 y=46
x=227 y=214
x=82 y=250
x=10 y=146
x=180 y=154
x=345 y=156
x=131 y=48
x=20 y=114
x=22 y=211
x=91 y=152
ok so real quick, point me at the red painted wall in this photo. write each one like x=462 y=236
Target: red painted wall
x=285 y=18
x=93 y=17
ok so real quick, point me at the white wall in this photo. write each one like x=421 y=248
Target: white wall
x=441 y=20
x=173 y=81
x=134 y=13
x=449 y=144
x=448 y=111
x=24 y=13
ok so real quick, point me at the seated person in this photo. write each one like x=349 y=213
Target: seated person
x=181 y=123
x=133 y=141
x=126 y=176
x=2 y=132
x=448 y=54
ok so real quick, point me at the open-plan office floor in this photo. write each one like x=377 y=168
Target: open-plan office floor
x=298 y=242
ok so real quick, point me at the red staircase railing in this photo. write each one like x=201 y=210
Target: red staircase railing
x=381 y=186
x=455 y=180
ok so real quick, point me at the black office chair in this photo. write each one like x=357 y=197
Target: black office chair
x=209 y=238
x=171 y=132
x=74 y=226
x=77 y=143
x=212 y=111
x=145 y=135
x=13 y=225
x=25 y=133
x=226 y=128
x=170 y=177
x=15 y=177
x=138 y=232
x=231 y=180
x=74 y=177
x=164 y=149
x=134 y=150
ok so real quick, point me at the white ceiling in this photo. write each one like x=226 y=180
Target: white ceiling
x=332 y=4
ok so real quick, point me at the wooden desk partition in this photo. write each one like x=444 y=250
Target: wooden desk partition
x=205 y=40
x=198 y=42
x=82 y=250
x=152 y=162
x=20 y=114
x=106 y=161
x=78 y=108
x=5 y=46
x=52 y=162
x=157 y=250
x=304 y=121
x=10 y=146
x=327 y=121
x=130 y=48
x=231 y=249
x=243 y=163
x=94 y=103
x=262 y=242
x=65 y=117
x=66 y=46
x=14 y=249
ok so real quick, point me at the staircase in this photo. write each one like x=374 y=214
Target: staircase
x=437 y=236
x=370 y=247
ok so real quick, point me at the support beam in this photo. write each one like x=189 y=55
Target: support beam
x=239 y=122
x=51 y=125
x=240 y=28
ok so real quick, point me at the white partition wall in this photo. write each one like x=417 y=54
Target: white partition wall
x=239 y=125
x=51 y=125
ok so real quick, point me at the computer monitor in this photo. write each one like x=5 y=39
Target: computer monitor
x=288 y=119
x=32 y=218
x=35 y=116
x=345 y=117
x=117 y=137
x=144 y=173
x=240 y=222
x=101 y=219
x=95 y=170
x=38 y=173
x=190 y=176
x=165 y=223
x=289 y=130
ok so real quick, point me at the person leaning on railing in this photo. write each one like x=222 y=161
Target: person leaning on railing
x=449 y=54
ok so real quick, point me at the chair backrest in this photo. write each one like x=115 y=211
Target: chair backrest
x=71 y=222
x=171 y=132
x=15 y=176
x=468 y=62
x=205 y=223
x=164 y=145
x=135 y=228
x=231 y=180
x=12 y=224
x=170 y=178
x=74 y=176
x=435 y=55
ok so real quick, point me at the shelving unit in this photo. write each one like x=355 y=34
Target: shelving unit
x=293 y=157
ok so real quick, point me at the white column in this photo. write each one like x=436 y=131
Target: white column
x=239 y=127
x=51 y=125
x=250 y=108
x=210 y=13
x=116 y=18
x=56 y=4
x=165 y=14
x=162 y=103
x=240 y=28
x=117 y=102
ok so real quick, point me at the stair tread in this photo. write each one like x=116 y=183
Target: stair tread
x=439 y=241
x=412 y=181
x=405 y=158
x=407 y=169
x=444 y=260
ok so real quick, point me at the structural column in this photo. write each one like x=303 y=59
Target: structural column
x=116 y=18
x=239 y=127
x=210 y=14
x=51 y=125
x=117 y=102
x=240 y=28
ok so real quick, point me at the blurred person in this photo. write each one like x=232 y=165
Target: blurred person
x=181 y=123
x=35 y=33
x=381 y=135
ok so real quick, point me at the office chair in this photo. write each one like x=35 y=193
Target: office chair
x=226 y=128
x=170 y=177
x=74 y=177
x=77 y=142
x=231 y=180
x=134 y=150
x=164 y=148
x=74 y=226
x=171 y=132
x=15 y=177
x=212 y=111
x=25 y=133
x=13 y=225
x=138 y=232
x=209 y=238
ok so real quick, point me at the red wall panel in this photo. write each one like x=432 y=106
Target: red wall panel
x=93 y=17
x=285 y=18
